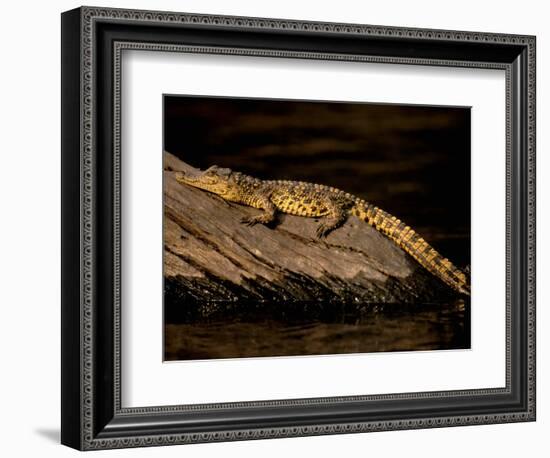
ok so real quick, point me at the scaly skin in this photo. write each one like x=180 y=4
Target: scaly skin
x=315 y=200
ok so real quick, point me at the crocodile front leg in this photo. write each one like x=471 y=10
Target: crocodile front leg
x=263 y=203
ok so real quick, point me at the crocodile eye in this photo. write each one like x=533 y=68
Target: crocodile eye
x=211 y=170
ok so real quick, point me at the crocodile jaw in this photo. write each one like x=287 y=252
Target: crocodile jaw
x=203 y=180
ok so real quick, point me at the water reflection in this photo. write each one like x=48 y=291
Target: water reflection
x=372 y=328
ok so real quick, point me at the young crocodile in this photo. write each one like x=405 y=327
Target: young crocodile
x=315 y=200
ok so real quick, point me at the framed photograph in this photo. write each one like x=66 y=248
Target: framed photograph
x=279 y=228
x=318 y=275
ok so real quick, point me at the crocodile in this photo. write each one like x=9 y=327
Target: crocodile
x=317 y=200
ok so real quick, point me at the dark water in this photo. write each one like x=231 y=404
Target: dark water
x=347 y=329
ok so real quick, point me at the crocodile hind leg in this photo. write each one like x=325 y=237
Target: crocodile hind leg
x=336 y=217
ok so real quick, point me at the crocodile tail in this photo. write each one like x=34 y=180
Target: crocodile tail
x=413 y=244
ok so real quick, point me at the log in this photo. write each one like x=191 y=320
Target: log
x=214 y=264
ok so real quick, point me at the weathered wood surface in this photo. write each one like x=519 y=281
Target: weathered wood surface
x=209 y=257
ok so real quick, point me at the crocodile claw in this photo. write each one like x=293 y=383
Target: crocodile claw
x=322 y=231
x=249 y=221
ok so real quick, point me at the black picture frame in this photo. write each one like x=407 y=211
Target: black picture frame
x=92 y=416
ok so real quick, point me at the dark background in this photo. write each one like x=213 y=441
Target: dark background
x=412 y=161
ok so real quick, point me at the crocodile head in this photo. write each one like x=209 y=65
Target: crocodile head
x=215 y=179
